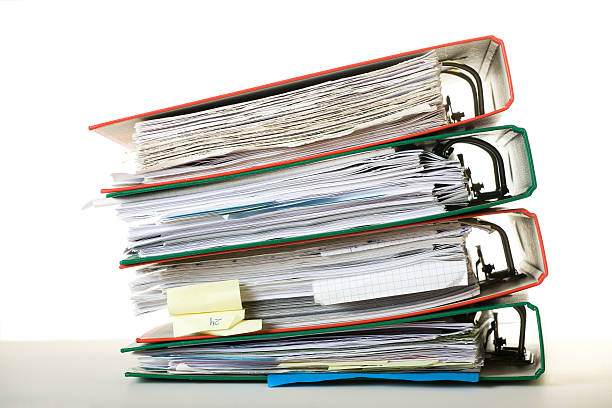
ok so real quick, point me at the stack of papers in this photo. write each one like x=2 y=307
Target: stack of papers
x=295 y=232
x=395 y=101
x=435 y=345
x=366 y=276
x=349 y=277
x=368 y=188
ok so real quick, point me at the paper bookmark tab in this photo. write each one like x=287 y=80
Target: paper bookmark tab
x=185 y=324
x=245 y=326
x=204 y=298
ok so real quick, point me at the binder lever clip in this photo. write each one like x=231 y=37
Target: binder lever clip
x=517 y=355
x=489 y=269
x=455 y=69
x=490 y=274
x=445 y=149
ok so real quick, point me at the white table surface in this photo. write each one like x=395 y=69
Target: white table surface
x=90 y=374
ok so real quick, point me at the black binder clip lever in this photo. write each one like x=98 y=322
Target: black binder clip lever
x=453 y=117
x=517 y=355
x=458 y=70
x=490 y=274
x=445 y=149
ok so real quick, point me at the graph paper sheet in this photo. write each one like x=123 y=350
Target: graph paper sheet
x=398 y=281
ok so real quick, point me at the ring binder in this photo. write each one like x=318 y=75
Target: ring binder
x=502 y=363
x=530 y=261
x=486 y=54
x=512 y=141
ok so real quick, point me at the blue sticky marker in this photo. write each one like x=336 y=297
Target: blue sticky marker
x=274 y=380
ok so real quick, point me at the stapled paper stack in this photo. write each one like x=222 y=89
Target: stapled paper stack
x=316 y=229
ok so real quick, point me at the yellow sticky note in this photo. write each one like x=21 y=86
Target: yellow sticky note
x=204 y=298
x=245 y=326
x=196 y=322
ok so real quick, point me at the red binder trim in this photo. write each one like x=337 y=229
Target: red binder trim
x=438 y=309
x=490 y=37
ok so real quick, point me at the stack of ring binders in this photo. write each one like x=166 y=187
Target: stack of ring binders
x=341 y=225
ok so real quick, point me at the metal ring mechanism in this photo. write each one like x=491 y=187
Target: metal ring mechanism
x=475 y=83
x=516 y=355
x=445 y=149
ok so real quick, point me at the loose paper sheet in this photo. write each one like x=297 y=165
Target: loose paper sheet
x=357 y=365
x=421 y=277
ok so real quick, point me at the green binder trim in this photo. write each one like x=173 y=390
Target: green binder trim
x=258 y=378
x=137 y=260
x=334 y=329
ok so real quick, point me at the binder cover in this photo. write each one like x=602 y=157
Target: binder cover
x=493 y=370
x=528 y=256
x=485 y=54
x=510 y=142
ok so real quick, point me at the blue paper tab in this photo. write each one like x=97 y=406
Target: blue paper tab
x=275 y=380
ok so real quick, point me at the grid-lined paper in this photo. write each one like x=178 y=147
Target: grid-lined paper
x=399 y=281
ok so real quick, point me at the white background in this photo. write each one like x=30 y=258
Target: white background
x=64 y=66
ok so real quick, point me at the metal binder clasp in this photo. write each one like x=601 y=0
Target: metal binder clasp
x=445 y=149
x=519 y=354
x=455 y=69
x=490 y=274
